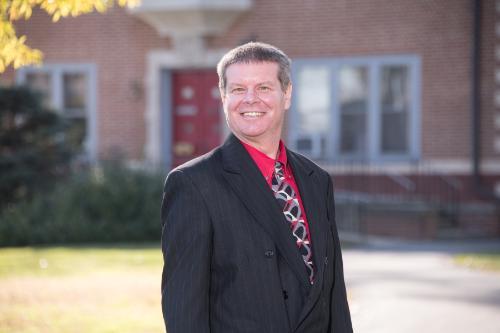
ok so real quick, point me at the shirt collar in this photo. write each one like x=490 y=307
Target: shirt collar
x=264 y=162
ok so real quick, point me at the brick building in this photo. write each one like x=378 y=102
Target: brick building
x=398 y=99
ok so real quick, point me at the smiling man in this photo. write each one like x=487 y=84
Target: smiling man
x=249 y=238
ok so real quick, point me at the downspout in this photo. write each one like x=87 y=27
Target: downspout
x=480 y=189
x=475 y=98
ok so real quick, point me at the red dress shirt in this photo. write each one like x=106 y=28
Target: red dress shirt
x=266 y=167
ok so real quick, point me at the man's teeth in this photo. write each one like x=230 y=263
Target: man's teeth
x=252 y=114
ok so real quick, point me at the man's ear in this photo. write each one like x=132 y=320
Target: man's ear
x=222 y=95
x=288 y=97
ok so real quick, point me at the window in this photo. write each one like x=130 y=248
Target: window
x=41 y=81
x=353 y=107
x=356 y=109
x=395 y=109
x=313 y=108
x=69 y=90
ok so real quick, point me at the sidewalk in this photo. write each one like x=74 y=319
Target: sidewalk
x=407 y=287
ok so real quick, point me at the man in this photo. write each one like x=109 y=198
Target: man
x=249 y=237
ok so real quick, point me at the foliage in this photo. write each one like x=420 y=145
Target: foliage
x=109 y=204
x=13 y=50
x=482 y=261
x=34 y=147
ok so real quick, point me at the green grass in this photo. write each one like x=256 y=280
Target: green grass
x=58 y=261
x=483 y=261
x=87 y=289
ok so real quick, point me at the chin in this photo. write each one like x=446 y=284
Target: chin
x=251 y=132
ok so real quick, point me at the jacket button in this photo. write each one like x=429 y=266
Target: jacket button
x=285 y=294
x=269 y=253
x=326 y=261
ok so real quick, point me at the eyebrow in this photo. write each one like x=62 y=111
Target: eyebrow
x=242 y=84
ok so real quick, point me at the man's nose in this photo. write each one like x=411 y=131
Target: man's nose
x=250 y=96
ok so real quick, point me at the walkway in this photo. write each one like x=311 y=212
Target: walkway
x=400 y=288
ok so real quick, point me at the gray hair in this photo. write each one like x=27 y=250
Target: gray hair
x=256 y=52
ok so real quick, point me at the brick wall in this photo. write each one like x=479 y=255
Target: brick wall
x=439 y=32
x=117 y=43
x=489 y=42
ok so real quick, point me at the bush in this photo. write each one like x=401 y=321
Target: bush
x=109 y=204
x=34 y=145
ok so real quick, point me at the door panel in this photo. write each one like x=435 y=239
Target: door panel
x=196 y=114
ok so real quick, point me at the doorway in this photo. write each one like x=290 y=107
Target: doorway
x=196 y=110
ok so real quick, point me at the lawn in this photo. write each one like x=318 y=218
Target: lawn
x=484 y=261
x=81 y=289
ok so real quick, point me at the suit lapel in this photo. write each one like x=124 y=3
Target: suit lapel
x=313 y=204
x=244 y=177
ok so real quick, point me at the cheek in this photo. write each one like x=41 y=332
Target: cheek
x=230 y=108
x=230 y=105
x=275 y=100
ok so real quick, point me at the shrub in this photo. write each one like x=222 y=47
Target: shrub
x=109 y=204
x=33 y=148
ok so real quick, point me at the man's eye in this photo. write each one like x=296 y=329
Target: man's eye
x=238 y=90
x=264 y=88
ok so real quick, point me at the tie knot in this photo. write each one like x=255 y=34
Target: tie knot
x=278 y=175
x=279 y=169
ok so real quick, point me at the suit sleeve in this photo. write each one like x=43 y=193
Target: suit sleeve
x=186 y=246
x=340 y=317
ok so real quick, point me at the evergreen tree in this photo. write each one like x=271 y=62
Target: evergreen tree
x=33 y=148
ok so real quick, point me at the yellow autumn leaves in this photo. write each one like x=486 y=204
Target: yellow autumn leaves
x=13 y=49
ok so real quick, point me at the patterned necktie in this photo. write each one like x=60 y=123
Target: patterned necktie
x=289 y=202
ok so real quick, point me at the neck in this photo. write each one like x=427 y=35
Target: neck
x=270 y=148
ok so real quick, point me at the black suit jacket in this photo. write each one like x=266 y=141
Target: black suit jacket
x=230 y=260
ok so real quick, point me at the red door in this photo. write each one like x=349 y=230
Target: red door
x=196 y=114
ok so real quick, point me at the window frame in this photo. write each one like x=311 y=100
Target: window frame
x=57 y=71
x=374 y=65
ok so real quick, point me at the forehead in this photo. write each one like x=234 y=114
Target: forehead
x=252 y=72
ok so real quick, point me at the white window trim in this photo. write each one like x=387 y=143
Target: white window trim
x=373 y=64
x=57 y=70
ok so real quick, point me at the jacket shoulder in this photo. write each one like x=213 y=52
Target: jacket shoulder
x=203 y=165
x=308 y=163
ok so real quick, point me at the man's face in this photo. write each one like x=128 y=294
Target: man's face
x=254 y=102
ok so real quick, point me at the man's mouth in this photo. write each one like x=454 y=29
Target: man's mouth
x=252 y=114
